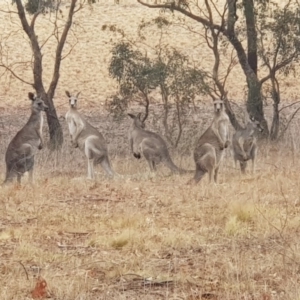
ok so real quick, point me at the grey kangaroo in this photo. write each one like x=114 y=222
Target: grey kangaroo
x=150 y=145
x=89 y=140
x=19 y=157
x=244 y=143
x=210 y=147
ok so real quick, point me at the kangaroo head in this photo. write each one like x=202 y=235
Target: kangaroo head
x=218 y=106
x=37 y=103
x=137 y=120
x=256 y=125
x=72 y=99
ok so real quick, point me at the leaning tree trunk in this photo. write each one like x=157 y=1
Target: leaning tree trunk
x=255 y=103
x=55 y=130
x=276 y=100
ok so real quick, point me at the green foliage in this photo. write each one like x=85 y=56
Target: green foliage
x=185 y=81
x=279 y=41
x=136 y=73
x=42 y=6
x=116 y=105
x=133 y=70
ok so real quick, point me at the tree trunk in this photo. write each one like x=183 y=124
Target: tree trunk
x=233 y=120
x=147 y=104
x=55 y=129
x=254 y=101
x=251 y=34
x=164 y=95
x=276 y=100
x=179 y=121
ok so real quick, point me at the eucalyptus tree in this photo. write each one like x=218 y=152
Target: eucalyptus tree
x=255 y=23
x=134 y=73
x=29 y=13
x=168 y=71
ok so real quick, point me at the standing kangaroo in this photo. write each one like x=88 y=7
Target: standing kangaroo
x=19 y=156
x=244 y=143
x=88 y=139
x=150 y=145
x=209 y=148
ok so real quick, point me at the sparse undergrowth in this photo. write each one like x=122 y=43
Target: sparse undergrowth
x=153 y=237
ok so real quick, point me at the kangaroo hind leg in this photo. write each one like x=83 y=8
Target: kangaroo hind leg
x=199 y=173
x=152 y=165
x=243 y=165
x=90 y=160
x=105 y=164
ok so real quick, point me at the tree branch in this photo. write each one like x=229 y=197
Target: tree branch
x=58 y=55
x=34 y=19
x=14 y=74
x=37 y=63
x=173 y=6
x=278 y=67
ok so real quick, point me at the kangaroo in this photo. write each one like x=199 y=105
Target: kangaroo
x=244 y=143
x=150 y=145
x=88 y=139
x=209 y=152
x=19 y=156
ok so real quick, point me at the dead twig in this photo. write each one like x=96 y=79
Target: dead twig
x=71 y=246
x=24 y=269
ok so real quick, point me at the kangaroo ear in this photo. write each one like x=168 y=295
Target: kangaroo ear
x=31 y=96
x=139 y=115
x=68 y=94
x=131 y=116
x=78 y=94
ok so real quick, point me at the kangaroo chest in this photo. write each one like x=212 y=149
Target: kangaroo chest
x=41 y=124
x=223 y=129
x=138 y=136
x=71 y=123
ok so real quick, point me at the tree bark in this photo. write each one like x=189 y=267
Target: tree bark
x=254 y=101
x=251 y=34
x=274 y=133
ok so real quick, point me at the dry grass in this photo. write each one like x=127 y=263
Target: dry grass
x=145 y=236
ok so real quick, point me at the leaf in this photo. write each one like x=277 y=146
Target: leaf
x=40 y=289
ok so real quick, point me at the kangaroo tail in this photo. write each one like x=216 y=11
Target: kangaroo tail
x=170 y=164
